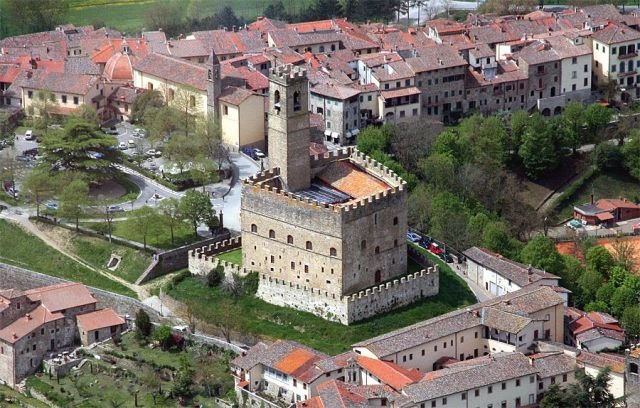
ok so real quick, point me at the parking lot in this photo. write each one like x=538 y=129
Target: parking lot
x=141 y=145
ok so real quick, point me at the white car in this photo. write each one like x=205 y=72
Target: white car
x=150 y=152
x=132 y=144
x=28 y=135
x=122 y=146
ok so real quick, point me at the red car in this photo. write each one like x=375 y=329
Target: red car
x=435 y=249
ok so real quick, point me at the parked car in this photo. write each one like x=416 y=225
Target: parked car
x=413 y=237
x=425 y=242
x=115 y=208
x=28 y=135
x=150 y=152
x=51 y=205
x=258 y=154
x=132 y=144
x=13 y=192
x=123 y=146
x=435 y=249
x=446 y=257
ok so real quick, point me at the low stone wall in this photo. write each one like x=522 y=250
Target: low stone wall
x=358 y=306
x=24 y=279
x=175 y=259
x=203 y=259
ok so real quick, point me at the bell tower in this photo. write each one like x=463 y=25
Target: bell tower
x=289 y=133
x=214 y=86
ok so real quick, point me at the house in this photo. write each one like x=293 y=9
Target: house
x=340 y=108
x=606 y=211
x=593 y=331
x=615 y=58
x=38 y=322
x=621 y=370
x=499 y=275
x=100 y=325
x=242 y=118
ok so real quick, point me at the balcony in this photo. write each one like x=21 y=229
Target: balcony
x=628 y=55
x=627 y=73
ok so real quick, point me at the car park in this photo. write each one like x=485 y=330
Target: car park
x=413 y=237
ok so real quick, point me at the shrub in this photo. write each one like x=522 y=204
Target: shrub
x=143 y=324
x=215 y=276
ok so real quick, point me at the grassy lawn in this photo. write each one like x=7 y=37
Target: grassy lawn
x=159 y=238
x=262 y=319
x=10 y=397
x=97 y=252
x=26 y=251
x=606 y=185
x=135 y=368
x=234 y=256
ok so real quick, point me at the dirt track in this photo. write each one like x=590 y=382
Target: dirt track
x=573 y=249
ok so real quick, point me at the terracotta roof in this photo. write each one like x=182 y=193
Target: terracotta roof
x=119 y=67
x=174 y=69
x=28 y=323
x=62 y=296
x=616 y=33
x=314 y=26
x=60 y=82
x=99 y=319
x=350 y=179
x=504 y=321
x=400 y=92
x=389 y=373
x=337 y=394
x=266 y=24
x=614 y=203
x=187 y=48
x=234 y=95
x=334 y=91
x=602 y=360
x=287 y=38
x=225 y=43
x=551 y=364
x=434 y=58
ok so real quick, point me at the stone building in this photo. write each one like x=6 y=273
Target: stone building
x=39 y=322
x=325 y=232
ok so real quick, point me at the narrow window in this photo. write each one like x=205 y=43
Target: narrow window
x=272 y=234
x=254 y=228
x=289 y=239
x=309 y=246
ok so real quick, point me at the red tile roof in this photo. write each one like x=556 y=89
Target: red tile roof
x=297 y=362
x=389 y=373
x=62 y=296
x=174 y=69
x=400 y=92
x=613 y=203
x=99 y=319
x=28 y=323
x=234 y=95
x=348 y=178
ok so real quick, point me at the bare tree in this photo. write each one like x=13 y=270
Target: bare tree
x=624 y=254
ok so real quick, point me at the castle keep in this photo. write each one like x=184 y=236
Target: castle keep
x=326 y=233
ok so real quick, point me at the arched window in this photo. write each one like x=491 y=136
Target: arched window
x=322 y=48
x=395 y=220
x=309 y=245
x=289 y=239
x=192 y=101
x=254 y=228
x=272 y=233
x=333 y=252
x=296 y=101
x=276 y=98
x=363 y=244
x=377 y=250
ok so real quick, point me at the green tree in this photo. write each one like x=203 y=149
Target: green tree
x=573 y=117
x=556 y=397
x=196 y=207
x=600 y=260
x=374 y=139
x=163 y=336
x=623 y=298
x=87 y=113
x=41 y=109
x=277 y=11
x=147 y=100
x=590 y=281
x=182 y=386
x=519 y=123
x=607 y=156
x=487 y=139
x=143 y=324
x=539 y=151
x=605 y=294
x=38 y=186
x=439 y=171
x=596 y=117
x=449 y=219
x=569 y=276
x=29 y=16
x=215 y=276
x=541 y=253
x=631 y=154
x=419 y=207
x=586 y=392
x=171 y=217
x=73 y=196
x=631 y=321
x=618 y=276
x=182 y=151
x=81 y=148
x=449 y=143
x=144 y=222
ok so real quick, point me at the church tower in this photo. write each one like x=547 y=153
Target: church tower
x=214 y=86
x=289 y=133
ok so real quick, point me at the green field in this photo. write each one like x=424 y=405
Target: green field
x=234 y=256
x=607 y=185
x=264 y=320
x=26 y=251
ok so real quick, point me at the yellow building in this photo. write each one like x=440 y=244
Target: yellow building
x=242 y=117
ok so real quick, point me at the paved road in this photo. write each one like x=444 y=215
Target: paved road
x=230 y=204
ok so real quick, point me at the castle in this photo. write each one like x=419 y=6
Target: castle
x=327 y=234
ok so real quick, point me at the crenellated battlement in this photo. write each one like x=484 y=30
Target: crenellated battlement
x=216 y=248
x=286 y=72
x=358 y=306
x=321 y=160
x=378 y=169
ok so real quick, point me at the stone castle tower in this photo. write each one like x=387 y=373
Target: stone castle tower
x=326 y=233
x=214 y=86
x=289 y=133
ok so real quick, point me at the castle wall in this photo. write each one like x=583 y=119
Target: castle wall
x=203 y=260
x=349 y=309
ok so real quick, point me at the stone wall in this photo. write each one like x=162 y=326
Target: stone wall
x=175 y=259
x=202 y=260
x=358 y=306
x=23 y=279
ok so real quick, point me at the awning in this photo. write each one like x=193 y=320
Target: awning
x=327 y=132
x=335 y=135
x=355 y=132
x=348 y=134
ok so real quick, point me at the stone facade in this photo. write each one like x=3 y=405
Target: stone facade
x=318 y=254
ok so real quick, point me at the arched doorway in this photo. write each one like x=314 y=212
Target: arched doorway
x=557 y=111
x=546 y=112
x=377 y=276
